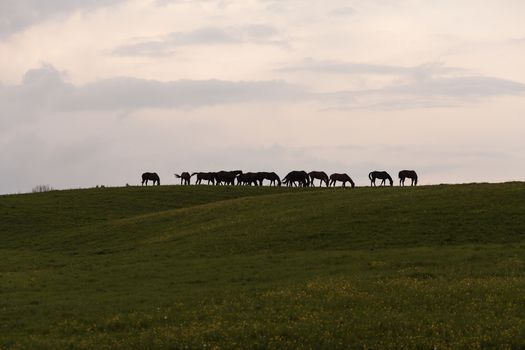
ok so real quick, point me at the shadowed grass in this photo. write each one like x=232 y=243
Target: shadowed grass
x=175 y=267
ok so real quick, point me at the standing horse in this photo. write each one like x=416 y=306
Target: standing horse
x=210 y=177
x=344 y=178
x=319 y=175
x=411 y=174
x=185 y=178
x=383 y=175
x=150 y=177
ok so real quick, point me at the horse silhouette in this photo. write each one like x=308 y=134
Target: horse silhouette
x=382 y=175
x=150 y=177
x=270 y=176
x=411 y=174
x=344 y=178
x=185 y=178
x=297 y=176
x=228 y=177
x=249 y=179
x=210 y=177
x=319 y=175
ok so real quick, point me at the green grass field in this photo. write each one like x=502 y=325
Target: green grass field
x=171 y=267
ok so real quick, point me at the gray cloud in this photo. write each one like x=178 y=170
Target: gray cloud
x=428 y=85
x=44 y=89
x=334 y=67
x=16 y=15
x=166 y=45
x=428 y=93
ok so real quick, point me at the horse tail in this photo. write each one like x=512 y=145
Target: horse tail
x=370 y=175
x=193 y=174
x=177 y=176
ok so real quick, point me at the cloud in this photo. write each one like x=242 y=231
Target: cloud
x=259 y=34
x=44 y=89
x=17 y=15
x=335 y=67
x=428 y=93
x=428 y=85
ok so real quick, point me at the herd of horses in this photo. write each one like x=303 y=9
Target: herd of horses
x=293 y=178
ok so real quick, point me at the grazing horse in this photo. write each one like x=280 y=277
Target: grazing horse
x=210 y=177
x=228 y=177
x=299 y=176
x=383 y=175
x=344 y=178
x=248 y=179
x=150 y=176
x=185 y=178
x=319 y=175
x=411 y=174
x=272 y=177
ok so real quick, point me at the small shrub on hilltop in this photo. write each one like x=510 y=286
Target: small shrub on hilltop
x=42 y=188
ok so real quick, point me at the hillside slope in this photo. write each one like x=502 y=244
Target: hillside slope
x=203 y=266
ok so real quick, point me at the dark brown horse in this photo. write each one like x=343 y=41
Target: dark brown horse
x=382 y=175
x=319 y=175
x=185 y=178
x=270 y=176
x=248 y=179
x=297 y=176
x=150 y=177
x=344 y=178
x=210 y=177
x=228 y=177
x=411 y=174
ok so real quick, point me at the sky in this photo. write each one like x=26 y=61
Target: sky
x=96 y=92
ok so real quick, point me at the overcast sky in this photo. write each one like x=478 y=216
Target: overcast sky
x=96 y=92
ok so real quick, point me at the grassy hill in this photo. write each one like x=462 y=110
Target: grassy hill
x=242 y=267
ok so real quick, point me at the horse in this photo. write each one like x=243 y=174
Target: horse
x=248 y=179
x=383 y=175
x=272 y=177
x=319 y=175
x=299 y=176
x=185 y=178
x=150 y=176
x=210 y=177
x=344 y=178
x=228 y=177
x=411 y=174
